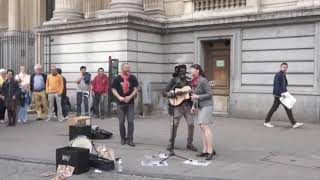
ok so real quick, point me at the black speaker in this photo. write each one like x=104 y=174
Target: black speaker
x=75 y=157
x=75 y=131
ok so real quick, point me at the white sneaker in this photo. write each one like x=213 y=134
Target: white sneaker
x=296 y=125
x=268 y=125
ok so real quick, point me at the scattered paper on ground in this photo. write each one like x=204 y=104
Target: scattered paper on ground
x=152 y=163
x=197 y=163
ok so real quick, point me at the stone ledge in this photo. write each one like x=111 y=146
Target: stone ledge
x=131 y=20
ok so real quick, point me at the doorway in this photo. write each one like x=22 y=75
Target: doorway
x=217 y=70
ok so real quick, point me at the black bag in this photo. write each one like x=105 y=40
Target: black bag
x=101 y=163
x=75 y=131
x=98 y=133
x=75 y=157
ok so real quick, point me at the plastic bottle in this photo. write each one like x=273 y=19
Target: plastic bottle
x=120 y=168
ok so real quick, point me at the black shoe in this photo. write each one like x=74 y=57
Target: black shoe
x=38 y=119
x=123 y=141
x=169 y=147
x=210 y=156
x=131 y=143
x=191 y=147
x=101 y=117
x=202 y=155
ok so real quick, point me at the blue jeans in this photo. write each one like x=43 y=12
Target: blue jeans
x=23 y=113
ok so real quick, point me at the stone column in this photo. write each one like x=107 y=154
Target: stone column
x=126 y=6
x=91 y=6
x=107 y=4
x=67 y=10
x=14 y=15
x=3 y=14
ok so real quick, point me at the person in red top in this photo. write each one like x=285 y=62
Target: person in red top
x=100 y=86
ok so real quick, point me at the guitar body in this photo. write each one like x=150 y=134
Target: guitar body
x=185 y=94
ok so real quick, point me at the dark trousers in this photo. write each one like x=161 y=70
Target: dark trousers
x=64 y=106
x=99 y=101
x=124 y=111
x=183 y=110
x=12 y=115
x=274 y=108
x=80 y=96
x=2 y=109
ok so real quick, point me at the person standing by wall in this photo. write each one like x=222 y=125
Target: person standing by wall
x=65 y=104
x=54 y=88
x=3 y=74
x=25 y=78
x=10 y=92
x=280 y=84
x=23 y=101
x=125 y=88
x=38 y=90
x=100 y=86
x=83 y=90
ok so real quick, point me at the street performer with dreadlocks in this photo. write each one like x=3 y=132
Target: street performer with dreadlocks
x=180 y=80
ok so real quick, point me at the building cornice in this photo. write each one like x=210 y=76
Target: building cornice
x=184 y=24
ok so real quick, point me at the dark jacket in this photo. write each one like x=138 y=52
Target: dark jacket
x=87 y=78
x=64 y=86
x=32 y=80
x=280 y=83
x=10 y=89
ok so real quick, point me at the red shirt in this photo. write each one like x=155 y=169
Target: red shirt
x=100 y=84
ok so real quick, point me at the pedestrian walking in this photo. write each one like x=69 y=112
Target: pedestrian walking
x=280 y=84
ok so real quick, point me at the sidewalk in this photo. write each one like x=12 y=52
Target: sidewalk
x=246 y=149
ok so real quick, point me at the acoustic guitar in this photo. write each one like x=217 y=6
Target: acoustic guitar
x=184 y=93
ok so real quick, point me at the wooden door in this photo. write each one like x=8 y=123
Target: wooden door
x=217 y=69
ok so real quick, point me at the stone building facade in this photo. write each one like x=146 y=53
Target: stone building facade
x=240 y=44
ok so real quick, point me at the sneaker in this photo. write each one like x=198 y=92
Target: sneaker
x=268 y=125
x=296 y=125
x=66 y=118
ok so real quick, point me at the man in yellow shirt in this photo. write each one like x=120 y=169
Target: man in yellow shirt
x=54 y=88
x=3 y=74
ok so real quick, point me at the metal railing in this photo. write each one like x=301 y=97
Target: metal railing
x=152 y=4
x=210 y=5
x=16 y=49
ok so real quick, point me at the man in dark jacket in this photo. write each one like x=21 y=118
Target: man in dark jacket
x=280 y=84
x=11 y=92
x=38 y=88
